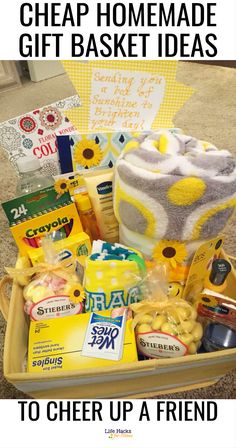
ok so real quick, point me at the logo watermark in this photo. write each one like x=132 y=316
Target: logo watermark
x=119 y=433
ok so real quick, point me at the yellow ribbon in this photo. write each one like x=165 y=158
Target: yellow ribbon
x=41 y=268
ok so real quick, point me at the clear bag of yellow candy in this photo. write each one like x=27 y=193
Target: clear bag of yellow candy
x=165 y=327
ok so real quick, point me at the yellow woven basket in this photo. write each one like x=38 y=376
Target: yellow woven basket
x=136 y=380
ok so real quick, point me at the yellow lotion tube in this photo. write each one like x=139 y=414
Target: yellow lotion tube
x=100 y=190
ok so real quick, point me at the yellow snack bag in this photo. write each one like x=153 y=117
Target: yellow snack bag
x=112 y=276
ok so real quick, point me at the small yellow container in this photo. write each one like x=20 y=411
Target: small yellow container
x=134 y=380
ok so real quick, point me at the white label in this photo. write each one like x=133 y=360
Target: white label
x=160 y=345
x=104 y=337
x=121 y=99
x=55 y=306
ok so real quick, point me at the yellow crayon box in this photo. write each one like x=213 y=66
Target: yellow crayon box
x=56 y=345
x=77 y=247
x=28 y=233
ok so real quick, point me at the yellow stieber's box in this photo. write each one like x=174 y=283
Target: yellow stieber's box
x=56 y=345
x=29 y=233
x=77 y=246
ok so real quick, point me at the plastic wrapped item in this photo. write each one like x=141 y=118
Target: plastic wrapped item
x=165 y=327
x=55 y=290
x=212 y=306
x=217 y=314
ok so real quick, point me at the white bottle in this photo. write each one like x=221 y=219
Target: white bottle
x=31 y=176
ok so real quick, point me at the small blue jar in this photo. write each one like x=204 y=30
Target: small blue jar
x=218 y=337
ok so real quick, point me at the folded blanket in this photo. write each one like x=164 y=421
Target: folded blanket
x=173 y=188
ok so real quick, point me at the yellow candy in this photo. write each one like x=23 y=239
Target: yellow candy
x=186 y=326
x=36 y=292
x=197 y=331
x=186 y=338
x=144 y=328
x=193 y=315
x=40 y=293
x=158 y=322
x=28 y=291
x=183 y=313
x=146 y=319
x=173 y=315
x=192 y=348
x=169 y=328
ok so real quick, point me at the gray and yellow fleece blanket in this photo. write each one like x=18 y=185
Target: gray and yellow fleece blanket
x=171 y=187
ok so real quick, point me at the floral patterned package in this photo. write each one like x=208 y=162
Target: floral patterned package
x=34 y=134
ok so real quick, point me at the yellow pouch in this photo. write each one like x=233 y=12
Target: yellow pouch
x=111 y=284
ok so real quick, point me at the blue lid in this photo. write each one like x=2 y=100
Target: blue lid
x=218 y=336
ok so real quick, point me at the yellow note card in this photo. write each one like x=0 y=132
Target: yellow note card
x=125 y=95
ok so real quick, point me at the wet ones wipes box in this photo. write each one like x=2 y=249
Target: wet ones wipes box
x=105 y=337
x=57 y=344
